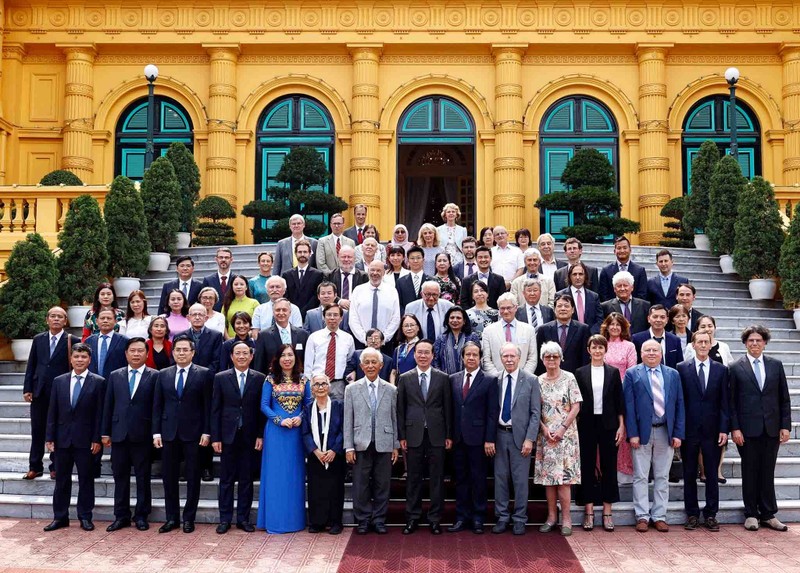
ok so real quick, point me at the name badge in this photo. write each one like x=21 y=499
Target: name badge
x=299 y=346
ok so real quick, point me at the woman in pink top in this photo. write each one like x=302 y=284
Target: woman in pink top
x=622 y=355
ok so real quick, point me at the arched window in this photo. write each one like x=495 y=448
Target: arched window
x=571 y=124
x=291 y=121
x=171 y=123
x=709 y=119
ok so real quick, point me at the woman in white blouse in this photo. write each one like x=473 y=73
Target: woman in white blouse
x=137 y=320
x=451 y=234
x=208 y=298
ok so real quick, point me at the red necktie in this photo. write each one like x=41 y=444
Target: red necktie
x=223 y=285
x=579 y=304
x=360 y=236
x=330 y=358
x=465 y=389
x=508 y=332
x=338 y=245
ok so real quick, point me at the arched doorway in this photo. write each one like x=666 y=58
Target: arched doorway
x=435 y=163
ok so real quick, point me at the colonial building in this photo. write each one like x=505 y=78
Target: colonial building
x=412 y=103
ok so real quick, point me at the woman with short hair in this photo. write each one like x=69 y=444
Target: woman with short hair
x=451 y=233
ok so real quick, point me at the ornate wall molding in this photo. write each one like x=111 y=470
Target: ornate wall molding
x=438 y=59
x=116 y=59
x=580 y=59
x=724 y=60
x=343 y=59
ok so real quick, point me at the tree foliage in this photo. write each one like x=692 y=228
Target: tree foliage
x=84 y=254
x=30 y=290
x=188 y=175
x=789 y=266
x=302 y=171
x=214 y=231
x=591 y=198
x=161 y=195
x=758 y=232
x=703 y=165
x=727 y=183
x=128 y=243
x=61 y=177
x=680 y=235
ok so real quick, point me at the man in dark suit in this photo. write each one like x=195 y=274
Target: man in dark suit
x=425 y=430
x=375 y=339
x=127 y=420
x=346 y=276
x=181 y=424
x=533 y=312
x=706 y=403
x=686 y=294
x=220 y=280
x=49 y=357
x=302 y=281
x=761 y=419
x=73 y=433
x=270 y=340
x=495 y=282
x=573 y=248
x=356 y=232
x=409 y=287
x=108 y=347
x=633 y=309
x=475 y=413
x=314 y=320
x=622 y=250
x=469 y=265
x=663 y=289
x=237 y=427
x=284 y=251
x=189 y=286
x=587 y=303
x=572 y=336
x=670 y=344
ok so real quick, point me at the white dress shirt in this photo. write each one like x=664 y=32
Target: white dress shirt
x=507 y=261
x=549 y=269
x=360 y=316
x=598 y=379
x=263 y=319
x=317 y=352
x=504 y=376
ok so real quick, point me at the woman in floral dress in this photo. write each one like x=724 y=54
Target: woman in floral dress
x=449 y=285
x=481 y=315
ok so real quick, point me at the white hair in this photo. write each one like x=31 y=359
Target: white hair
x=549 y=349
x=369 y=351
x=507 y=297
x=622 y=276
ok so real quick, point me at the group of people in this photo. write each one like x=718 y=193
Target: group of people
x=462 y=356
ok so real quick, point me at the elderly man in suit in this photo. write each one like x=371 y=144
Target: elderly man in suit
x=546 y=244
x=670 y=344
x=284 y=252
x=533 y=259
x=329 y=246
x=572 y=336
x=282 y=332
x=623 y=263
x=263 y=314
x=587 y=303
x=181 y=425
x=761 y=420
x=371 y=442
x=520 y=409
x=237 y=430
x=508 y=329
x=220 y=280
x=302 y=281
x=108 y=347
x=74 y=419
x=633 y=309
x=127 y=419
x=49 y=357
x=532 y=311
x=663 y=289
x=475 y=412
x=656 y=425
x=409 y=287
x=375 y=339
x=347 y=277
x=374 y=305
x=430 y=310
x=356 y=232
x=495 y=281
x=573 y=249
x=328 y=352
x=425 y=430
x=706 y=402
x=314 y=321
x=189 y=286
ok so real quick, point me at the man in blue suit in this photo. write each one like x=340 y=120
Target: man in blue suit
x=655 y=424
x=127 y=418
x=475 y=413
x=73 y=432
x=314 y=321
x=663 y=289
x=705 y=393
x=670 y=344
x=622 y=250
x=108 y=347
x=189 y=286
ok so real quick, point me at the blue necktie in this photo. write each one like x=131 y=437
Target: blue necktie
x=757 y=372
x=101 y=359
x=241 y=383
x=132 y=381
x=180 y=383
x=665 y=284
x=702 y=376
x=431 y=326
x=374 y=321
x=53 y=343
x=506 y=414
x=77 y=392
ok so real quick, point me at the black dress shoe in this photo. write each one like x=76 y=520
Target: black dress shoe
x=336 y=529
x=410 y=527
x=118 y=524
x=245 y=526
x=363 y=528
x=436 y=529
x=457 y=526
x=87 y=525
x=315 y=529
x=188 y=526
x=223 y=528
x=168 y=526
x=380 y=528
x=207 y=476
x=477 y=527
x=142 y=525
x=57 y=524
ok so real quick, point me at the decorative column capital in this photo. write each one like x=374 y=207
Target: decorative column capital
x=789 y=52
x=371 y=51
x=84 y=51
x=652 y=51
x=505 y=52
x=223 y=52
x=14 y=51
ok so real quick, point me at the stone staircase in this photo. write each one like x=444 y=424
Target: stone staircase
x=724 y=296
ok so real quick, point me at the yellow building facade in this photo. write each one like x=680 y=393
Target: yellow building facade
x=419 y=101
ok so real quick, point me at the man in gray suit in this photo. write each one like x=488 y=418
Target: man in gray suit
x=326 y=294
x=518 y=425
x=430 y=310
x=633 y=309
x=329 y=245
x=371 y=442
x=284 y=252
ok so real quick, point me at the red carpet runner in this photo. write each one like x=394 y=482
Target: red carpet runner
x=459 y=553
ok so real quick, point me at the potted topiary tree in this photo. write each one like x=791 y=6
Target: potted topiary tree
x=697 y=208
x=128 y=255
x=680 y=235
x=61 y=177
x=214 y=231
x=161 y=195
x=727 y=183
x=83 y=262
x=28 y=294
x=188 y=175
x=758 y=238
x=789 y=267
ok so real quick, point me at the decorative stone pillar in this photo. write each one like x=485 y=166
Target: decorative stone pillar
x=653 y=132
x=365 y=163
x=509 y=163
x=78 y=105
x=221 y=162
x=790 y=53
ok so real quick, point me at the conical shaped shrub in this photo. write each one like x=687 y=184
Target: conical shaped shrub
x=161 y=196
x=83 y=241
x=128 y=244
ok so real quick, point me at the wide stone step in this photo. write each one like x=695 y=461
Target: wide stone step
x=15 y=410
x=789 y=450
x=11 y=393
x=15 y=425
x=12 y=367
x=12 y=379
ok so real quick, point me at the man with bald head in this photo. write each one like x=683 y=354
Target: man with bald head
x=347 y=277
x=374 y=305
x=263 y=314
x=507 y=259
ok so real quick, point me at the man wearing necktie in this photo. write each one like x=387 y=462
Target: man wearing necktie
x=108 y=347
x=190 y=287
x=655 y=424
x=623 y=263
x=498 y=333
x=219 y=280
x=374 y=305
x=127 y=417
x=329 y=350
x=329 y=246
x=237 y=429
x=633 y=309
x=73 y=433
x=495 y=282
x=662 y=289
x=430 y=310
x=533 y=261
x=281 y=332
x=760 y=421
x=356 y=232
x=671 y=351
x=469 y=265
x=706 y=400
x=533 y=312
